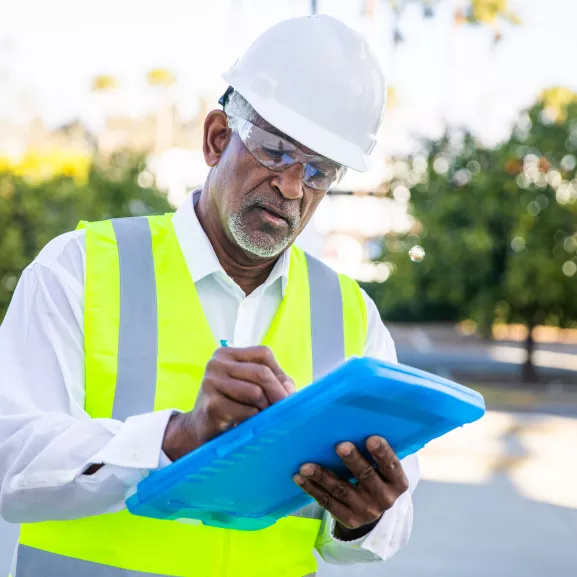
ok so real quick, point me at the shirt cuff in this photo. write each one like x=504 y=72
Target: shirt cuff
x=390 y=535
x=137 y=444
x=393 y=530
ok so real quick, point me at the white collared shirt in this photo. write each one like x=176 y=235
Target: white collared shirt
x=47 y=439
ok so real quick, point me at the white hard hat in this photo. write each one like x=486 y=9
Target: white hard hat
x=316 y=80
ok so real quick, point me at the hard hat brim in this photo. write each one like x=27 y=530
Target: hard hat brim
x=303 y=130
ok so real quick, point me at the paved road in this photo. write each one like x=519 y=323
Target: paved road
x=498 y=499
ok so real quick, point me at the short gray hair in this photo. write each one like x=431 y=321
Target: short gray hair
x=237 y=105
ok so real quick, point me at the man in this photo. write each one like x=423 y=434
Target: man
x=110 y=366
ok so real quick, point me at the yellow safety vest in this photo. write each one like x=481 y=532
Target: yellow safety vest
x=147 y=342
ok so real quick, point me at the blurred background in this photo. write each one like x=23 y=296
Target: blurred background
x=464 y=232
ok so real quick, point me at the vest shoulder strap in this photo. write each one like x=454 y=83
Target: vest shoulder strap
x=334 y=294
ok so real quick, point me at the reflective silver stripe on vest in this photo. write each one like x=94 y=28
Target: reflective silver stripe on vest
x=36 y=563
x=327 y=323
x=138 y=336
x=312 y=511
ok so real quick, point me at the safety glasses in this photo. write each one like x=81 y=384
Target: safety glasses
x=278 y=154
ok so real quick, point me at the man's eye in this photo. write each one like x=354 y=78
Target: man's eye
x=315 y=175
x=273 y=153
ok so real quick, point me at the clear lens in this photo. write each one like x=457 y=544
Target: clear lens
x=278 y=154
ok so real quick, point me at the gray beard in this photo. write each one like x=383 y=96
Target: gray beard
x=263 y=246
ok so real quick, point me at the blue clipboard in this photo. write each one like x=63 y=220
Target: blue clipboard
x=243 y=478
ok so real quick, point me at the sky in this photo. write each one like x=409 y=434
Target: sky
x=50 y=51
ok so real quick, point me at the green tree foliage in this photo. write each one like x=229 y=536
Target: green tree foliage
x=31 y=214
x=499 y=227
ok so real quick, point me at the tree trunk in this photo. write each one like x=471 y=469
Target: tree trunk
x=528 y=373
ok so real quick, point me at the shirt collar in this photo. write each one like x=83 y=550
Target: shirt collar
x=199 y=254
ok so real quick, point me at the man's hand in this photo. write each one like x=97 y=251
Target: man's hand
x=357 y=508
x=237 y=384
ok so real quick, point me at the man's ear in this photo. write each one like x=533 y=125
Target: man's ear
x=216 y=136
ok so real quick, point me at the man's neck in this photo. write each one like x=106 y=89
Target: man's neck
x=245 y=270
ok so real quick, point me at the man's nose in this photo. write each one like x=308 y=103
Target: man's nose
x=290 y=181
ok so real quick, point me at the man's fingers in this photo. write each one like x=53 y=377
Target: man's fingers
x=263 y=356
x=243 y=392
x=361 y=469
x=261 y=376
x=334 y=485
x=380 y=491
x=335 y=507
x=364 y=509
x=237 y=384
x=388 y=464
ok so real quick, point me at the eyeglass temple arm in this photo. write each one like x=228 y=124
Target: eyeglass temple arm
x=224 y=98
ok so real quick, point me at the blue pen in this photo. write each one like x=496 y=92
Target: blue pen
x=223 y=343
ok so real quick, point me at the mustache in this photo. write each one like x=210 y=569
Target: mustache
x=290 y=210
